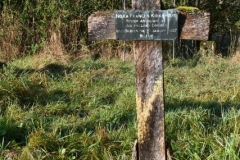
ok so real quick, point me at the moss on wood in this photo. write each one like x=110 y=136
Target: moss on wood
x=238 y=24
x=187 y=8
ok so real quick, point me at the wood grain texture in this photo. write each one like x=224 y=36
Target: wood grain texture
x=149 y=95
x=194 y=26
x=101 y=25
x=149 y=98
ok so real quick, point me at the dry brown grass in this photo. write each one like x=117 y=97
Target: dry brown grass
x=42 y=59
x=10 y=34
x=54 y=46
x=235 y=59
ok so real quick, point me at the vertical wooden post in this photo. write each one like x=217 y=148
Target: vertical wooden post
x=149 y=96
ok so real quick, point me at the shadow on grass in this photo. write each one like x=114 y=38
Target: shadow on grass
x=56 y=70
x=192 y=62
x=52 y=70
x=215 y=108
x=41 y=96
x=2 y=64
x=125 y=69
x=28 y=93
x=10 y=132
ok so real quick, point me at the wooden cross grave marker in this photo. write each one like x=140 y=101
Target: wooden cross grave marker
x=147 y=25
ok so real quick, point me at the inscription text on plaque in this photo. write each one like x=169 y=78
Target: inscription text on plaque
x=146 y=25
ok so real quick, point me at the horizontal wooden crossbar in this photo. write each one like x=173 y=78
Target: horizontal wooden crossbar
x=191 y=25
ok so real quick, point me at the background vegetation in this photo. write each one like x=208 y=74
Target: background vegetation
x=60 y=26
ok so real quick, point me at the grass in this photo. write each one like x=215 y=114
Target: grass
x=86 y=109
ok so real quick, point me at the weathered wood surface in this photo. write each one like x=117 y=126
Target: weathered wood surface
x=192 y=25
x=150 y=102
x=101 y=25
x=149 y=94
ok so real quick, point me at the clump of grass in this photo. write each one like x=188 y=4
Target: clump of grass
x=12 y=137
x=202 y=109
x=199 y=134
